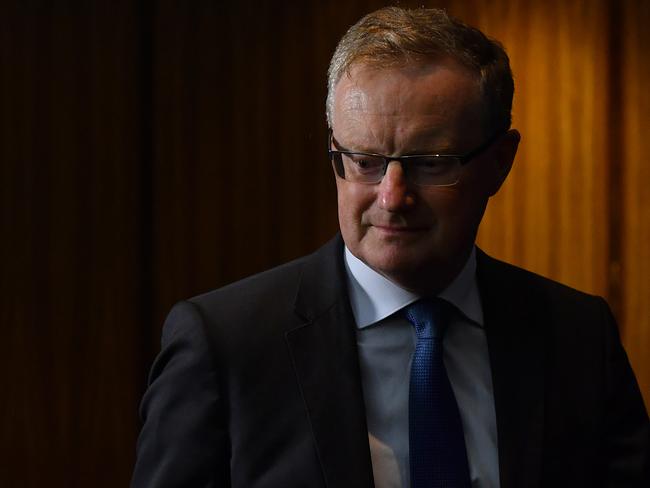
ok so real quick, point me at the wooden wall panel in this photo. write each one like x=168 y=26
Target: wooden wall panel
x=70 y=370
x=551 y=216
x=634 y=164
x=242 y=180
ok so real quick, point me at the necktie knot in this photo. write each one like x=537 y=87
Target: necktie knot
x=429 y=317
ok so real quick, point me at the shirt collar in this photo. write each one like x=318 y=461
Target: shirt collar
x=374 y=297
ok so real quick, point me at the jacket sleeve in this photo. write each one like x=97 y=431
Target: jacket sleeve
x=184 y=439
x=627 y=430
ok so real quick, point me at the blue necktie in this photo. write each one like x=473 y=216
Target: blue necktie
x=437 y=452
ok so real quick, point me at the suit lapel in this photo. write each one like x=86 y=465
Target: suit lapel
x=515 y=334
x=325 y=359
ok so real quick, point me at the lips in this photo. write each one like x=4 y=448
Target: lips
x=399 y=229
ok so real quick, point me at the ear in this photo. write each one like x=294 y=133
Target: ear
x=503 y=156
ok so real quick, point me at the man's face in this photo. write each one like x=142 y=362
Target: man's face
x=417 y=236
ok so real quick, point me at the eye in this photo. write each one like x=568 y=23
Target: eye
x=363 y=163
x=431 y=164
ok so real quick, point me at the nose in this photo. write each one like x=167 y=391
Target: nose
x=393 y=192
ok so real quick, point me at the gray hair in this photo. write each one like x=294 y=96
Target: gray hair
x=393 y=36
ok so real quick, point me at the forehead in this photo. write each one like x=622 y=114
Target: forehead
x=406 y=103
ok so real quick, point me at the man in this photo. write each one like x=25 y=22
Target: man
x=399 y=354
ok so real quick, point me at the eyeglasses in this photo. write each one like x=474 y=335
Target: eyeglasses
x=420 y=169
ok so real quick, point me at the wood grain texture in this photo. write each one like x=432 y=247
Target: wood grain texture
x=242 y=180
x=551 y=216
x=634 y=165
x=70 y=281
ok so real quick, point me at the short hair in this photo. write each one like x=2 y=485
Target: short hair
x=393 y=36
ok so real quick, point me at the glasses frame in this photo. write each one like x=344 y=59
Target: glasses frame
x=463 y=159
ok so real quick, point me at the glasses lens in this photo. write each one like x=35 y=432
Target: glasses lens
x=361 y=168
x=338 y=164
x=434 y=170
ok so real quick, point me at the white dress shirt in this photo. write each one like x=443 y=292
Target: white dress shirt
x=386 y=342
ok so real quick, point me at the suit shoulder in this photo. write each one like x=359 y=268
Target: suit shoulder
x=276 y=284
x=516 y=281
x=275 y=291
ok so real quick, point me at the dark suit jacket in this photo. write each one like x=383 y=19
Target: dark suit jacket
x=258 y=385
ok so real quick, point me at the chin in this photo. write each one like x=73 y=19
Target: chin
x=416 y=267
x=397 y=264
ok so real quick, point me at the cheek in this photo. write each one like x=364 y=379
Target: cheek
x=441 y=203
x=460 y=212
x=353 y=201
x=454 y=210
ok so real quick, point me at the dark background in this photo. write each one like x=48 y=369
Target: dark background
x=149 y=151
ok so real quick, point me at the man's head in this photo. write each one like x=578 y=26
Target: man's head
x=411 y=83
x=392 y=37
